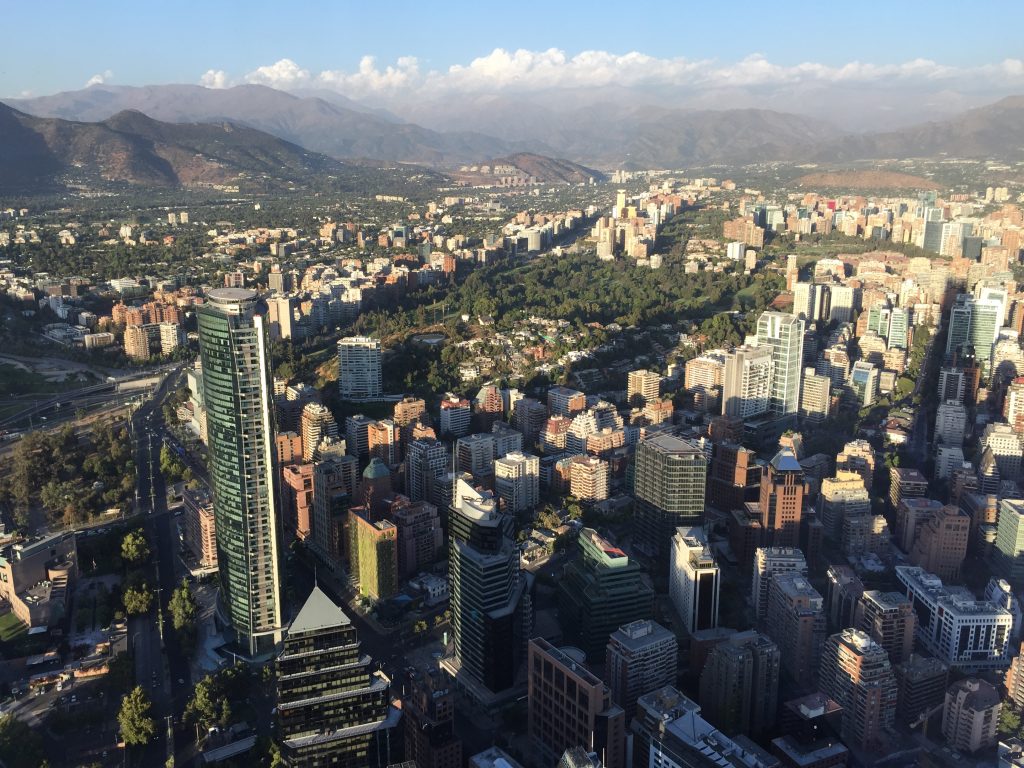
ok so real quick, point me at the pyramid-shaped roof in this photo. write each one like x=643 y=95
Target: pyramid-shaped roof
x=319 y=612
x=785 y=461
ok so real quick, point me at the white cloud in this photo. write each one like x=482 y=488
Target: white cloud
x=214 y=78
x=99 y=78
x=524 y=70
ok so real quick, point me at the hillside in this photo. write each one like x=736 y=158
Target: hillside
x=867 y=180
x=528 y=168
x=40 y=154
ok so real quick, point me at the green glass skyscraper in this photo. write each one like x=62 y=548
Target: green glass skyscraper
x=236 y=388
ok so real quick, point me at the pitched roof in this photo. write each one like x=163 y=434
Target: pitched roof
x=318 y=612
x=785 y=461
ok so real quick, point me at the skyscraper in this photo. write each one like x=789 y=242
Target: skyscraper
x=784 y=335
x=739 y=685
x=240 y=427
x=489 y=600
x=796 y=622
x=359 y=367
x=974 y=322
x=747 y=382
x=693 y=580
x=768 y=563
x=855 y=671
x=429 y=715
x=782 y=499
x=669 y=482
x=517 y=481
x=889 y=619
x=600 y=591
x=569 y=706
x=331 y=709
x=640 y=657
x=1009 y=550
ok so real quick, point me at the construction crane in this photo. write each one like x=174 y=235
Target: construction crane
x=924 y=717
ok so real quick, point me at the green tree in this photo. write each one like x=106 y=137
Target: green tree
x=137 y=599
x=20 y=746
x=225 y=713
x=202 y=707
x=135 y=718
x=183 y=607
x=134 y=547
x=1009 y=721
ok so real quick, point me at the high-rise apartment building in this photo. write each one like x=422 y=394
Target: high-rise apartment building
x=768 y=563
x=455 y=417
x=569 y=706
x=331 y=708
x=236 y=389
x=563 y=401
x=889 y=619
x=970 y=716
x=317 y=422
x=669 y=479
x=747 y=383
x=599 y=592
x=588 y=478
x=643 y=384
x=796 y=622
x=841 y=496
x=855 y=671
x=425 y=462
x=941 y=543
x=920 y=686
x=641 y=657
x=517 y=481
x=359 y=367
x=905 y=483
x=694 y=580
x=739 y=685
x=1006 y=447
x=815 y=397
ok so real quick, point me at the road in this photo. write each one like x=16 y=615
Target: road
x=159 y=665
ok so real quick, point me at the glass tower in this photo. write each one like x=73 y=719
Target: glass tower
x=784 y=335
x=236 y=388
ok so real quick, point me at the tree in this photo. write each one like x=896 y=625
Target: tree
x=137 y=599
x=134 y=718
x=202 y=708
x=225 y=713
x=1009 y=721
x=183 y=607
x=134 y=547
x=20 y=746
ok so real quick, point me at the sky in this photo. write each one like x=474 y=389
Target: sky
x=386 y=52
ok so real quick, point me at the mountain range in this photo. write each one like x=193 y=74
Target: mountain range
x=38 y=154
x=292 y=133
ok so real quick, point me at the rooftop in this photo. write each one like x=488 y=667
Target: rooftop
x=318 y=612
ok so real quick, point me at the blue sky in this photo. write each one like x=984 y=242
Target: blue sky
x=60 y=45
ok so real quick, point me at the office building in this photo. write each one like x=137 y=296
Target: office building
x=966 y=634
x=971 y=715
x=1008 y=555
x=640 y=657
x=599 y=592
x=734 y=476
x=236 y=390
x=588 y=478
x=941 y=543
x=739 y=685
x=863 y=384
x=768 y=563
x=950 y=423
x=784 y=335
x=570 y=706
x=974 y=322
x=920 y=687
x=694 y=580
x=359 y=368
x=373 y=554
x=840 y=497
x=856 y=673
x=669 y=732
x=517 y=482
x=865 y=535
x=490 y=603
x=669 y=478
x=428 y=713
x=781 y=500
x=796 y=622
x=331 y=708
x=911 y=515
x=644 y=385
x=888 y=618
x=747 y=382
x=843 y=300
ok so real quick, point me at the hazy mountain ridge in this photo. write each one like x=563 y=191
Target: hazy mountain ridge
x=132 y=148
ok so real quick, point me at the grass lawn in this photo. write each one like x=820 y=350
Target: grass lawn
x=17 y=381
x=11 y=627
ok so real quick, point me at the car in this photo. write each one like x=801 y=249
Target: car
x=74 y=698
